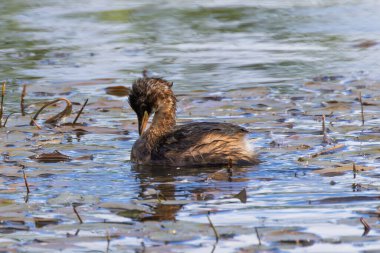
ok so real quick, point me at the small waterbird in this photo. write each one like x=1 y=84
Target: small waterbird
x=194 y=144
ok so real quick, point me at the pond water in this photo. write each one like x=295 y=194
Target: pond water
x=274 y=67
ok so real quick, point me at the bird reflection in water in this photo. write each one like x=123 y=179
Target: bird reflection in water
x=172 y=185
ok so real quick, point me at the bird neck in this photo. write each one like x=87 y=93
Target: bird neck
x=164 y=121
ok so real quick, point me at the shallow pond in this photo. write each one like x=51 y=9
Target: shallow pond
x=274 y=67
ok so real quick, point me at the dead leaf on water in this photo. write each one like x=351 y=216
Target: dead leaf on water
x=5 y=202
x=41 y=222
x=349 y=199
x=119 y=91
x=124 y=206
x=53 y=157
x=341 y=169
x=325 y=151
x=90 y=129
x=85 y=157
x=242 y=196
x=291 y=237
x=366 y=44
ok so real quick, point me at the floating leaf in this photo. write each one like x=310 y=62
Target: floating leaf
x=242 y=196
x=54 y=157
x=41 y=222
x=341 y=169
x=120 y=91
x=366 y=44
x=291 y=237
x=124 y=206
x=349 y=199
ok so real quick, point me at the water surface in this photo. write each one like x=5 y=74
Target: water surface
x=274 y=67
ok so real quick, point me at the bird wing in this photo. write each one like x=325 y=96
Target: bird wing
x=202 y=143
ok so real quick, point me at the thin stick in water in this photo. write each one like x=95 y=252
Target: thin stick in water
x=77 y=214
x=80 y=112
x=108 y=237
x=323 y=152
x=213 y=228
x=367 y=227
x=325 y=138
x=34 y=123
x=258 y=235
x=25 y=179
x=22 y=105
x=323 y=124
x=6 y=119
x=328 y=150
x=361 y=107
x=2 y=104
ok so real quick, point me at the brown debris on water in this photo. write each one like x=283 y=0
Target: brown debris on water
x=40 y=222
x=76 y=212
x=340 y=169
x=53 y=157
x=242 y=196
x=6 y=119
x=108 y=237
x=34 y=123
x=25 y=179
x=2 y=104
x=366 y=44
x=367 y=227
x=323 y=126
x=258 y=235
x=221 y=175
x=213 y=228
x=326 y=151
x=348 y=199
x=361 y=107
x=329 y=150
x=292 y=237
x=59 y=116
x=22 y=105
x=79 y=113
x=119 y=91
x=326 y=139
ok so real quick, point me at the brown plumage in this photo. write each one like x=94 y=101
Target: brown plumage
x=194 y=144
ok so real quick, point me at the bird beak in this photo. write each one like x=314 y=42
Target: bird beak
x=142 y=122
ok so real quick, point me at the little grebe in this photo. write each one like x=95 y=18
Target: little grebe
x=194 y=144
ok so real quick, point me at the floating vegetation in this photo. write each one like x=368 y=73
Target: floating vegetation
x=119 y=91
x=53 y=157
x=56 y=118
